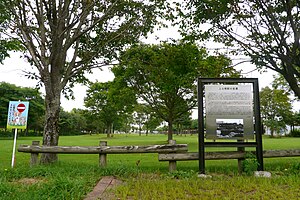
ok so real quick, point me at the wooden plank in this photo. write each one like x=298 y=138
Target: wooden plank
x=227 y=155
x=281 y=153
x=230 y=144
x=167 y=148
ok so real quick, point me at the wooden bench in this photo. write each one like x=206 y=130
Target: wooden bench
x=102 y=150
x=173 y=157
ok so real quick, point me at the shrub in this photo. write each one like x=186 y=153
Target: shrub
x=295 y=133
x=7 y=134
x=250 y=163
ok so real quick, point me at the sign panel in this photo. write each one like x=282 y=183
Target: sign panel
x=17 y=115
x=229 y=112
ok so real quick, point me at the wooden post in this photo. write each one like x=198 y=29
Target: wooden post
x=102 y=156
x=34 y=156
x=172 y=164
x=240 y=160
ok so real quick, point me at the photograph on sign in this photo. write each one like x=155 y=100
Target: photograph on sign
x=17 y=115
x=229 y=112
x=228 y=128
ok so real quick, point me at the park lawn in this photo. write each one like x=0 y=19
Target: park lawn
x=75 y=175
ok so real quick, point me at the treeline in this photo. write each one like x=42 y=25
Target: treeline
x=105 y=113
x=79 y=121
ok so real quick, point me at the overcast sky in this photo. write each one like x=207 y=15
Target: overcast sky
x=12 y=72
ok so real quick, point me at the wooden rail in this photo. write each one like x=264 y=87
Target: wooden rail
x=221 y=155
x=171 y=152
x=173 y=157
x=102 y=150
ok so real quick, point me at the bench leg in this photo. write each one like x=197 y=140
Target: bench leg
x=103 y=156
x=172 y=166
x=34 y=158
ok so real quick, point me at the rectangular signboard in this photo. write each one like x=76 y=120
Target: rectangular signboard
x=17 y=115
x=229 y=112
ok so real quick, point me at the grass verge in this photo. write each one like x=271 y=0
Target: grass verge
x=76 y=175
x=217 y=187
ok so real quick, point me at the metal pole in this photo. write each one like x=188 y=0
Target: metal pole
x=258 y=127
x=201 y=149
x=14 y=149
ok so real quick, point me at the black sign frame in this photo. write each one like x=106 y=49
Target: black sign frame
x=257 y=128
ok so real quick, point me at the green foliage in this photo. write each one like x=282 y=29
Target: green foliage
x=295 y=169
x=109 y=103
x=263 y=31
x=65 y=40
x=276 y=109
x=6 y=44
x=280 y=83
x=164 y=75
x=295 y=133
x=72 y=123
x=250 y=164
x=102 y=30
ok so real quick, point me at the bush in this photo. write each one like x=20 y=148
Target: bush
x=295 y=133
x=250 y=164
x=7 y=134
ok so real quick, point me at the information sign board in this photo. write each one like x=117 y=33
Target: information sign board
x=17 y=115
x=229 y=111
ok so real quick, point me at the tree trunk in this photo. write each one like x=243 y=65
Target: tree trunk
x=108 y=130
x=111 y=130
x=170 y=131
x=292 y=80
x=140 y=130
x=272 y=132
x=51 y=133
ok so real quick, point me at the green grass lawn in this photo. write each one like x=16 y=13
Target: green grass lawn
x=76 y=175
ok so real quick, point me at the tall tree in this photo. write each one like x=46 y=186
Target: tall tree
x=108 y=103
x=276 y=109
x=66 y=39
x=140 y=116
x=72 y=123
x=164 y=76
x=152 y=120
x=266 y=31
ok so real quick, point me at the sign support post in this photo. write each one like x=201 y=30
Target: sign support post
x=14 y=149
x=201 y=129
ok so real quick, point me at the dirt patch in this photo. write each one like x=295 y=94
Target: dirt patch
x=29 y=181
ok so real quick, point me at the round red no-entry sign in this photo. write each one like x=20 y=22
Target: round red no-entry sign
x=21 y=107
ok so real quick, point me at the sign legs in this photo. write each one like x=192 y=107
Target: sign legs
x=14 y=149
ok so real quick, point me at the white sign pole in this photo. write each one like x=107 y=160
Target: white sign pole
x=14 y=149
x=17 y=119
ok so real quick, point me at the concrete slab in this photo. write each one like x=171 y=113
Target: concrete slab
x=105 y=183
